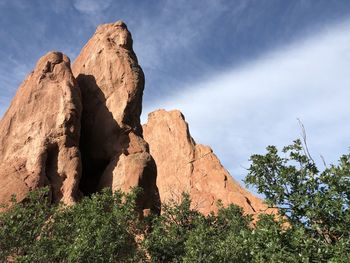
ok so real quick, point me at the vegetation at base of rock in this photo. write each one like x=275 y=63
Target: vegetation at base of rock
x=106 y=227
x=98 y=229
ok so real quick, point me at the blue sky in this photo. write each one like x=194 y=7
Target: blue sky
x=242 y=71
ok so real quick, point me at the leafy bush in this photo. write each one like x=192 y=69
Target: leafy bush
x=314 y=225
x=102 y=228
x=316 y=203
x=21 y=225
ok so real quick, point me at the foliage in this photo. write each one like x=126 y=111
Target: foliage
x=182 y=234
x=21 y=225
x=98 y=229
x=313 y=226
x=166 y=241
x=316 y=203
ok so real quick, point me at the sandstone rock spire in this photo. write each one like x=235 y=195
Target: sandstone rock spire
x=184 y=166
x=114 y=153
x=39 y=134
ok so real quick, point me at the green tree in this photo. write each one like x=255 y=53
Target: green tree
x=166 y=241
x=182 y=234
x=21 y=225
x=316 y=203
x=220 y=238
x=98 y=229
x=103 y=228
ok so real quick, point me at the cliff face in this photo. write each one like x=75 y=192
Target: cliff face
x=79 y=131
x=39 y=134
x=184 y=166
x=114 y=153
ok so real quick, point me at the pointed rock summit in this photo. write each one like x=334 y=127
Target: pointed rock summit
x=114 y=153
x=39 y=134
x=184 y=166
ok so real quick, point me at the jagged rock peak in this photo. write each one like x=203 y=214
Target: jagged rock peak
x=112 y=82
x=108 y=59
x=47 y=62
x=117 y=33
x=184 y=166
x=39 y=133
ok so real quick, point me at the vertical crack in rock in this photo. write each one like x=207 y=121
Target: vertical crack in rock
x=51 y=172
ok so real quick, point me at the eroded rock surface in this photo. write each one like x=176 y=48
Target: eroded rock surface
x=113 y=150
x=184 y=166
x=39 y=134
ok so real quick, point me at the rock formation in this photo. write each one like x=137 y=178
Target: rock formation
x=184 y=166
x=114 y=153
x=39 y=134
x=79 y=135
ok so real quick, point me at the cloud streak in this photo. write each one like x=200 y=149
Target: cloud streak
x=91 y=6
x=242 y=110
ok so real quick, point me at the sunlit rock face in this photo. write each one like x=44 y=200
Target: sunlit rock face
x=114 y=153
x=184 y=166
x=39 y=134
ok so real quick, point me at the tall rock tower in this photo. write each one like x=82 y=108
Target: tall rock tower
x=39 y=134
x=114 y=153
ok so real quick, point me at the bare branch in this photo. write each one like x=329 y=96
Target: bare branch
x=324 y=161
x=306 y=150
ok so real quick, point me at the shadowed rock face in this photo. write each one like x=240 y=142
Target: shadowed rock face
x=114 y=153
x=184 y=166
x=39 y=134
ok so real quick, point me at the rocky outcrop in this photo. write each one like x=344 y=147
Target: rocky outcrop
x=39 y=134
x=79 y=135
x=184 y=166
x=114 y=153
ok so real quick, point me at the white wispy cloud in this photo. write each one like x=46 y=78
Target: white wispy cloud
x=241 y=111
x=91 y=6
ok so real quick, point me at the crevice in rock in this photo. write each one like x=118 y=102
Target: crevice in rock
x=97 y=136
x=51 y=171
x=149 y=189
x=92 y=170
x=250 y=204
